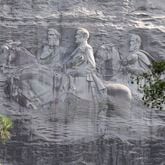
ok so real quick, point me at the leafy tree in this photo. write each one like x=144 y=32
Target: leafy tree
x=5 y=126
x=153 y=86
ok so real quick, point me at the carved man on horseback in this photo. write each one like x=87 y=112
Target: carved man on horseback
x=81 y=66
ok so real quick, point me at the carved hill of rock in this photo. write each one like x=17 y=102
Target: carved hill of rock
x=84 y=139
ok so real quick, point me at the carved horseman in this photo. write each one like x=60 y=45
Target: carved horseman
x=16 y=60
x=81 y=69
x=29 y=80
x=138 y=61
x=51 y=53
x=82 y=66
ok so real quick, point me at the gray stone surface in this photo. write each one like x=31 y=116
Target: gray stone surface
x=61 y=128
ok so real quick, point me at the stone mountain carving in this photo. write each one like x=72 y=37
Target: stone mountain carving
x=78 y=134
x=34 y=84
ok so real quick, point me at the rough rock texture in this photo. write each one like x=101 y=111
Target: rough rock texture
x=79 y=137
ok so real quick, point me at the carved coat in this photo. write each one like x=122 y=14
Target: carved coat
x=83 y=62
x=51 y=57
x=139 y=62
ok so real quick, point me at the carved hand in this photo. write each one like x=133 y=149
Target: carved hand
x=124 y=62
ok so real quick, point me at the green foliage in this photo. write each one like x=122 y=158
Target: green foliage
x=153 y=86
x=5 y=126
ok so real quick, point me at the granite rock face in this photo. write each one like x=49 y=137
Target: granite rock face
x=79 y=133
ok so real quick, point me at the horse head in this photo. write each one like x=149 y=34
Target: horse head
x=16 y=55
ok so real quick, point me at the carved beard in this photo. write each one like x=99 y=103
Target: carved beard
x=53 y=42
x=134 y=48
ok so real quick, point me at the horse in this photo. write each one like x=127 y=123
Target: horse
x=116 y=96
x=29 y=83
x=34 y=85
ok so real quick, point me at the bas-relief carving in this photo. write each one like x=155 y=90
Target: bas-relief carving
x=138 y=61
x=81 y=67
x=50 y=76
x=50 y=55
x=28 y=82
x=112 y=65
